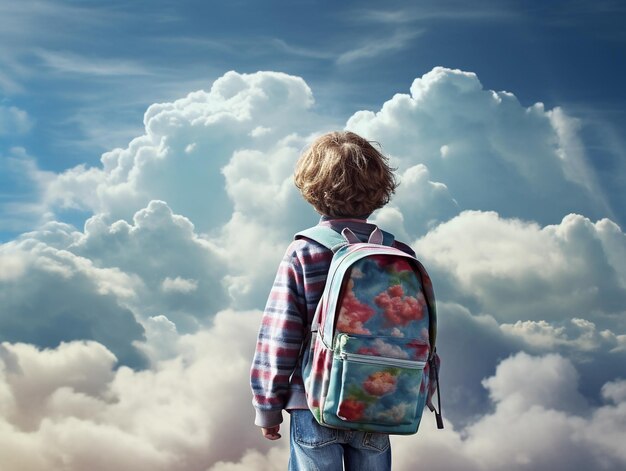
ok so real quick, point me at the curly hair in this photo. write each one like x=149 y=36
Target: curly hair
x=342 y=175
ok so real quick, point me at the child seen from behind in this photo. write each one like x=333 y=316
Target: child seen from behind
x=345 y=178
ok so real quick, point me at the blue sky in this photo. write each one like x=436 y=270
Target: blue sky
x=146 y=198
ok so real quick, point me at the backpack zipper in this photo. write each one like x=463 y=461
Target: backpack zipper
x=372 y=359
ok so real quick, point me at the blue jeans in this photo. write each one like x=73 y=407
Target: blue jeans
x=317 y=448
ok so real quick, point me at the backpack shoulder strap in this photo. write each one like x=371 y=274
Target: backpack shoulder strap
x=332 y=239
x=388 y=238
x=323 y=235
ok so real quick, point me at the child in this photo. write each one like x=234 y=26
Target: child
x=345 y=179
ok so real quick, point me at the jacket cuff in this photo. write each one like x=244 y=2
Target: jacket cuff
x=268 y=418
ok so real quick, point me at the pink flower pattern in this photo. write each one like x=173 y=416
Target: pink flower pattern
x=351 y=409
x=353 y=313
x=399 y=309
x=380 y=383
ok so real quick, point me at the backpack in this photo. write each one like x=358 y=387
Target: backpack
x=369 y=362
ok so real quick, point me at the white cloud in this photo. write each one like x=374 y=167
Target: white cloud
x=178 y=285
x=426 y=203
x=76 y=64
x=268 y=210
x=615 y=391
x=192 y=218
x=547 y=429
x=181 y=272
x=22 y=185
x=184 y=413
x=14 y=121
x=11 y=266
x=378 y=46
x=499 y=155
x=33 y=375
x=156 y=266
x=539 y=289
x=578 y=334
x=553 y=386
x=54 y=296
x=161 y=338
x=283 y=46
x=517 y=270
x=146 y=420
x=162 y=165
x=438 y=12
x=481 y=343
x=274 y=460
x=539 y=422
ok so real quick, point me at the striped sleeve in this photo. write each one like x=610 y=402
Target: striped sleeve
x=278 y=343
x=290 y=307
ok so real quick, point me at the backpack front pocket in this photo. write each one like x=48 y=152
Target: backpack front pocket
x=379 y=390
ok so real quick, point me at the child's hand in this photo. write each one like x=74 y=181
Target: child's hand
x=271 y=433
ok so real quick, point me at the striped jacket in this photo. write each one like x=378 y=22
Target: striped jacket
x=276 y=376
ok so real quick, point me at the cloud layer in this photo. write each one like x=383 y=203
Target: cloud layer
x=136 y=331
x=489 y=151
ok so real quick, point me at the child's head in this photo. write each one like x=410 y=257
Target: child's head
x=342 y=175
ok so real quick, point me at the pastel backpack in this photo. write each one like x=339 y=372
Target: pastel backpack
x=370 y=362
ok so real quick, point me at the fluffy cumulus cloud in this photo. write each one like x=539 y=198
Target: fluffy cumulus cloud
x=539 y=420
x=558 y=288
x=107 y=281
x=181 y=272
x=185 y=145
x=146 y=420
x=69 y=408
x=517 y=270
x=136 y=331
x=488 y=150
x=50 y=295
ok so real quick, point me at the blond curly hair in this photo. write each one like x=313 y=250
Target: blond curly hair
x=343 y=175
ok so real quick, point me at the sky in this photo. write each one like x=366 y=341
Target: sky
x=146 y=198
